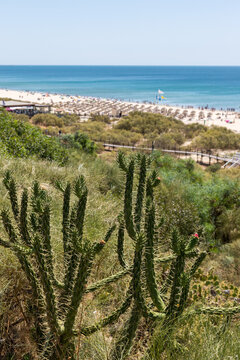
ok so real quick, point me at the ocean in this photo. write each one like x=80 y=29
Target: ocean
x=217 y=87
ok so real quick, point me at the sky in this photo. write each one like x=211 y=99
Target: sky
x=119 y=32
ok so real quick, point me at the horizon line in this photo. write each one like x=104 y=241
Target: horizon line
x=123 y=65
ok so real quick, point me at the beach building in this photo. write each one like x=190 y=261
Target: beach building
x=27 y=108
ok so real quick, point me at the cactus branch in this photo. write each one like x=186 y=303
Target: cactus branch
x=23 y=221
x=99 y=284
x=128 y=217
x=149 y=259
x=140 y=194
x=120 y=242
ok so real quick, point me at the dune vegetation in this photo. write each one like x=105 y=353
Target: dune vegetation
x=20 y=139
x=140 y=129
x=104 y=258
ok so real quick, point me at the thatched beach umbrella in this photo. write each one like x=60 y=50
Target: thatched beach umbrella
x=176 y=112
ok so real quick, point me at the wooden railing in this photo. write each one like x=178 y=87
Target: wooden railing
x=231 y=161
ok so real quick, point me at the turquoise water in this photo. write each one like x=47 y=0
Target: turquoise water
x=182 y=85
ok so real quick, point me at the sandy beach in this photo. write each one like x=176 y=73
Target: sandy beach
x=84 y=106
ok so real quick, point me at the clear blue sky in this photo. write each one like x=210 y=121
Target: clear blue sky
x=120 y=32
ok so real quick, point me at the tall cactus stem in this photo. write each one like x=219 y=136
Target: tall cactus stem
x=78 y=290
x=48 y=288
x=128 y=217
x=140 y=194
x=23 y=221
x=65 y=219
x=120 y=243
x=149 y=259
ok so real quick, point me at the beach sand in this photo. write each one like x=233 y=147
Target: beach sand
x=84 y=106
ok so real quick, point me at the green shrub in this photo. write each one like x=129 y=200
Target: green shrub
x=23 y=140
x=217 y=138
x=55 y=120
x=94 y=129
x=122 y=137
x=69 y=119
x=99 y=131
x=146 y=123
x=21 y=117
x=214 y=168
x=3 y=150
x=79 y=141
x=101 y=118
x=52 y=130
x=47 y=120
x=169 y=140
x=193 y=130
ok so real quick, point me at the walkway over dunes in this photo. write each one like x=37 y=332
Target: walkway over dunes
x=203 y=158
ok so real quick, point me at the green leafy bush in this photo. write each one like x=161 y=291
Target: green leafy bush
x=217 y=138
x=207 y=200
x=100 y=118
x=214 y=167
x=169 y=140
x=23 y=140
x=142 y=129
x=99 y=131
x=80 y=141
x=146 y=123
x=47 y=120
x=55 y=120
x=21 y=117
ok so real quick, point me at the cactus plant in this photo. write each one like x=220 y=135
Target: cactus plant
x=149 y=294
x=162 y=302
x=55 y=303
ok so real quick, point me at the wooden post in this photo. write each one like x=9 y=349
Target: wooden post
x=152 y=146
x=209 y=157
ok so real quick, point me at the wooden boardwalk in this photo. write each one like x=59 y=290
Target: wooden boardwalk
x=199 y=156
